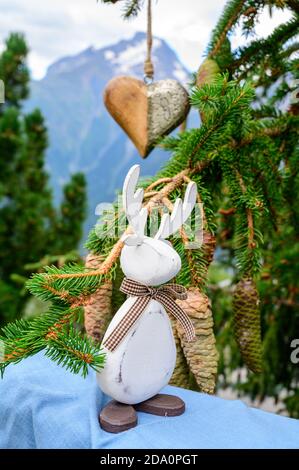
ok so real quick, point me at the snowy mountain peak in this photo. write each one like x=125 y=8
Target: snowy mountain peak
x=132 y=54
x=125 y=57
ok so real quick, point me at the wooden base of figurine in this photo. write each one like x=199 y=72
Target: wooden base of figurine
x=117 y=417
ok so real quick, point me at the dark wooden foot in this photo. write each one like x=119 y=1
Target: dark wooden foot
x=162 y=405
x=117 y=417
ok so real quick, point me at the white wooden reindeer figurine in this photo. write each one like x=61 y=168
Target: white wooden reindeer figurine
x=140 y=348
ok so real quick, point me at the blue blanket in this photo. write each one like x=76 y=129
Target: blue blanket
x=44 y=406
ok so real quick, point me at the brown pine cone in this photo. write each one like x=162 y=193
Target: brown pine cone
x=207 y=72
x=98 y=313
x=180 y=376
x=247 y=323
x=201 y=354
x=208 y=247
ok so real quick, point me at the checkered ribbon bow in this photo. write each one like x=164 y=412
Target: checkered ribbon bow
x=165 y=294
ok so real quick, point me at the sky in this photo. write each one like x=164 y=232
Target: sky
x=58 y=28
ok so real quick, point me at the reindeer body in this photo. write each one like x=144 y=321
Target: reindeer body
x=143 y=362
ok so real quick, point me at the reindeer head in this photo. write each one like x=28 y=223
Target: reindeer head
x=151 y=261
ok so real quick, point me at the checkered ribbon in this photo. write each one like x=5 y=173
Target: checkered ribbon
x=166 y=295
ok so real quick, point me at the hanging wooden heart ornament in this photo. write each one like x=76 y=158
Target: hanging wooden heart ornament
x=146 y=112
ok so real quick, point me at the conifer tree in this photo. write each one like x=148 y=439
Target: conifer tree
x=30 y=226
x=244 y=160
x=71 y=217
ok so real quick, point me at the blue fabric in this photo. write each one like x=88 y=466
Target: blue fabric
x=44 y=406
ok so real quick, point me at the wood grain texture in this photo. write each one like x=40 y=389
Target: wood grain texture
x=126 y=100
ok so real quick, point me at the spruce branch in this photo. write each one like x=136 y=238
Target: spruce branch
x=131 y=8
x=248 y=208
x=74 y=352
x=24 y=338
x=51 y=333
x=228 y=19
x=258 y=50
x=198 y=259
x=251 y=242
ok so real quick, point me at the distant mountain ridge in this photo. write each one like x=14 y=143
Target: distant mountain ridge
x=83 y=136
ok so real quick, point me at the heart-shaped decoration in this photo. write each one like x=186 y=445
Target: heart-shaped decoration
x=146 y=112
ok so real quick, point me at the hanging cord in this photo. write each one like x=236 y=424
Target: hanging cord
x=148 y=65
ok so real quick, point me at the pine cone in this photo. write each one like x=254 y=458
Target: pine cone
x=208 y=247
x=201 y=355
x=98 y=314
x=180 y=376
x=207 y=72
x=247 y=323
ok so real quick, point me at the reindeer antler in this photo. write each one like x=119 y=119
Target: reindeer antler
x=137 y=215
x=180 y=213
x=132 y=203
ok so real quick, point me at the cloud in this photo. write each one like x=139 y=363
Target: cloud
x=58 y=28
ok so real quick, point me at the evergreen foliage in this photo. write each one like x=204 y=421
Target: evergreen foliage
x=72 y=213
x=30 y=226
x=131 y=8
x=244 y=159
